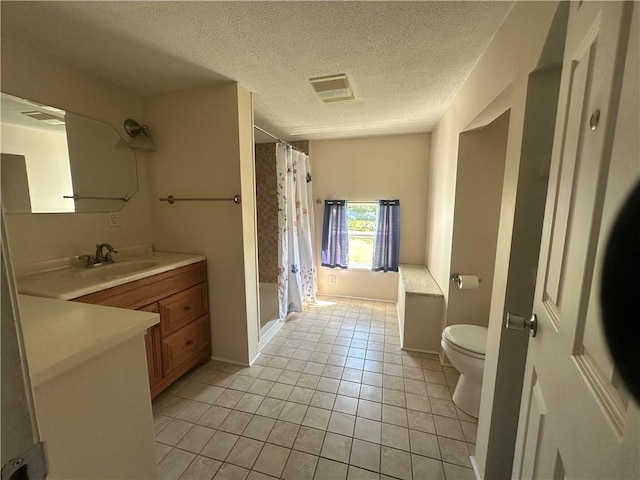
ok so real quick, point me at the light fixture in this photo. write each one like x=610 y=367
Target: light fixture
x=141 y=140
x=333 y=88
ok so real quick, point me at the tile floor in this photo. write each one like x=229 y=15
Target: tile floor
x=332 y=397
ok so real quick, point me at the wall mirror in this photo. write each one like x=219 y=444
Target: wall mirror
x=55 y=161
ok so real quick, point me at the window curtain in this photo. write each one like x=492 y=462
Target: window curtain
x=296 y=267
x=335 y=231
x=386 y=248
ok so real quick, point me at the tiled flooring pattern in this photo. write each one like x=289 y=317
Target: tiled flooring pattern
x=331 y=397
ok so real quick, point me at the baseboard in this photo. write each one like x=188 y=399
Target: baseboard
x=476 y=469
x=356 y=298
x=420 y=350
x=253 y=360
x=233 y=362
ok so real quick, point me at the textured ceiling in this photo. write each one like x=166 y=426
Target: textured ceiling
x=405 y=60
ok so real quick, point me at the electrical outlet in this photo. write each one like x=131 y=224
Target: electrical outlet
x=114 y=219
x=332 y=279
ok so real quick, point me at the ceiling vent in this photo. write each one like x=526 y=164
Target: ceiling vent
x=45 y=117
x=334 y=88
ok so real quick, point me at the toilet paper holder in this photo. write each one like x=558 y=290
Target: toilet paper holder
x=455 y=278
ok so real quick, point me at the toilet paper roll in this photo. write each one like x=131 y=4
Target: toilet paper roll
x=468 y=282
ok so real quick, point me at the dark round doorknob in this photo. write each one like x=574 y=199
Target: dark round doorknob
x=619 y=292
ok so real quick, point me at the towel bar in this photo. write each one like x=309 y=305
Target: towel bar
x=171 y=199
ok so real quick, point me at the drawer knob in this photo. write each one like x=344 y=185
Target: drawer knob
x=187 y=308
x=189 y=342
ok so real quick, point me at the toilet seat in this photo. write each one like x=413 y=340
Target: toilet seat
x=467 y=339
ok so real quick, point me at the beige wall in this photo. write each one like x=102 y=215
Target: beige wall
x=201 y=138
x=481 y=157
x=361 y=169
x=507 y=62
x=34 y=237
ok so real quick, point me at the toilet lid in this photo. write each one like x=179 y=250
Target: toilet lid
x=468 y=337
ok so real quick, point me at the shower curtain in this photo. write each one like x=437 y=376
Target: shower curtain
x=296 y=268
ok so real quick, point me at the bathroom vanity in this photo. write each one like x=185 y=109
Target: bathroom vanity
x=92 y=365
x=181 y=340
x=171 y=284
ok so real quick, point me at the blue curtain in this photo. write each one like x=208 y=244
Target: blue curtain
x=335 y=241
x=386 y=249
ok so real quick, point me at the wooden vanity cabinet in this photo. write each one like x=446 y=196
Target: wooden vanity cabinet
x=181 y=340
x=152 y=346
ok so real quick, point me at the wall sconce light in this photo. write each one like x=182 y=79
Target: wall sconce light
x=141 y=140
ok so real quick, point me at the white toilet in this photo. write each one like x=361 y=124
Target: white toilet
x=465 y=346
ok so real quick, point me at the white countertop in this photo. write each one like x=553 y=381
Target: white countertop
x=60 y=335
x=67 y=279
x=417 y=280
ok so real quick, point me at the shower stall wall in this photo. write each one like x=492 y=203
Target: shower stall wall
x=267 y=226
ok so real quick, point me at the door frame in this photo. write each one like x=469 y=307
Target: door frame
x=514 y=285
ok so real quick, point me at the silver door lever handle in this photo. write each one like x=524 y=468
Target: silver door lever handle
x=518 y=322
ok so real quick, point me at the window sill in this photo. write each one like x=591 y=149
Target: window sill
x=359 y=267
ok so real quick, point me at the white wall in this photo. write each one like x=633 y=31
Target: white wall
x=204 y=149
x=249 y=220
x=362 y=169
x=30 y=74
x=47 y=162
x=507 y=62
x=481 y=159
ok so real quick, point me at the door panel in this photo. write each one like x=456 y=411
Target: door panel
x=534 y=425
x=581 y=68
x=577 y=421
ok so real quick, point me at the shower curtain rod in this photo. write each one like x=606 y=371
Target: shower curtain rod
x=276 y=138
x=270 y=134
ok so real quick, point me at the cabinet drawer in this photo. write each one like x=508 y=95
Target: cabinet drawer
x=184 y=345
x=151 y=289
x=182 y=308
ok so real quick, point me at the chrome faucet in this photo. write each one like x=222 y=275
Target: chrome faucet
x=100 y=257
x=104 y=258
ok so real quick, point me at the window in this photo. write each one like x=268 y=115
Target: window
x=361 y=235
x=361 y=218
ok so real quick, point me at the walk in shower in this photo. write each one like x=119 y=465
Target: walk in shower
x=285 y=234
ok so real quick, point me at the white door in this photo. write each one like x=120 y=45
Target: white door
x=576 y=419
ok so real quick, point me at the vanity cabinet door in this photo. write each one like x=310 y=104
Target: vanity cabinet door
x=153 y=349
x=185 y=345
x=181 y=340
x=154 y=362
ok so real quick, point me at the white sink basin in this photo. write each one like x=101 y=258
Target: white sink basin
x=109 y=271
x=73 y=281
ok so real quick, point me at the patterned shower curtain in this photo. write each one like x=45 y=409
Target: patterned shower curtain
x=296 y=268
